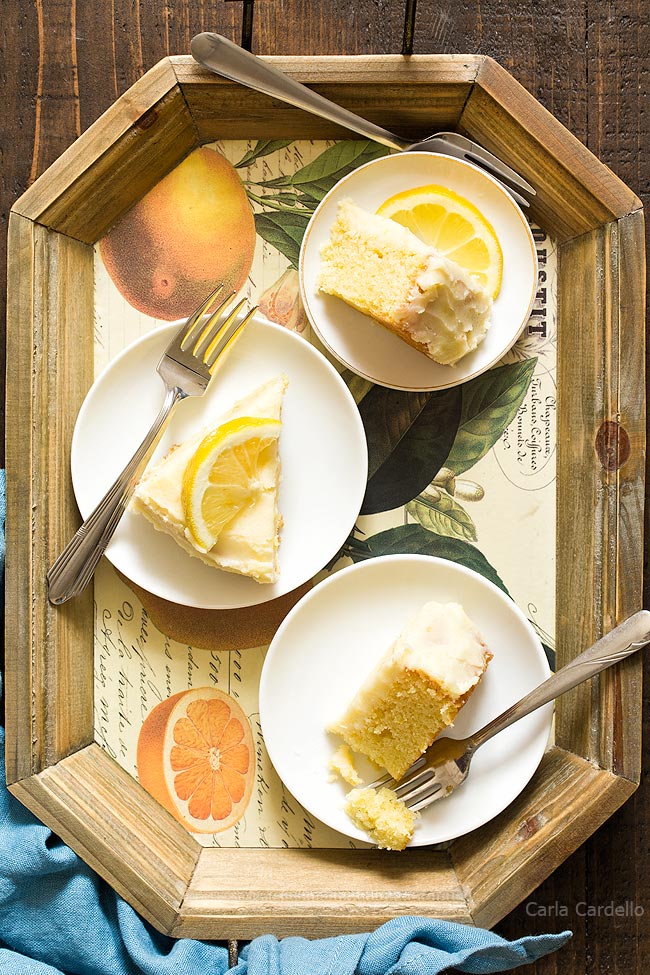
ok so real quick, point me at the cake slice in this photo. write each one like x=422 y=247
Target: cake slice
x=417 y=689
x=383 y=270
x=248 y=544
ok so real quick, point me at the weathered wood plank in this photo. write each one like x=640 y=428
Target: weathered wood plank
x=501 y=863
x=525 y=41
x=118 y=829
x=617 y=66
x=601 y=469
x=335 y=27
x=413 y=96
x=575 y=192
x=49 y=664
x=130 y=148
x=313 y=893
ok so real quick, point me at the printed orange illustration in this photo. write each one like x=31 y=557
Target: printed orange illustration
x=192 y=231
x=195 y=756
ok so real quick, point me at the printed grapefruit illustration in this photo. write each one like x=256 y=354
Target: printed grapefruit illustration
x=195 y=756
x=195 y=229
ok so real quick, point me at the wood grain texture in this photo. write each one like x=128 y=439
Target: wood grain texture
x=50 y=295
x=405 y=101
x=575 y=192
x=501 y=862
x=618 y=68
x=118 y=829
x=314 y=893
x=601 y=293
x=122 y=155
x=588 y=63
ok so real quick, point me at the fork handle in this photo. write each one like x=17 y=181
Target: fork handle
x=230 y=61
x=73 y=569
x=621 y=642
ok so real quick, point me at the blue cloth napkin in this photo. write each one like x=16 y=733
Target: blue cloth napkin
x=57 y=917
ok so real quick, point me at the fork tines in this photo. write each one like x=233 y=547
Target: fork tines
x=418 y=794
x=206 y=340
x=196 y=327
x=227 y=333
x=417 y=788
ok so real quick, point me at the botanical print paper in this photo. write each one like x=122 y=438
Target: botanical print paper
x=489 y=500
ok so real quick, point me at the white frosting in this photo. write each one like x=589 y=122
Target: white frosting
x=448 y=310
x=442 y=641
x=248 y=544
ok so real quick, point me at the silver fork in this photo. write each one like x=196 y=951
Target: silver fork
x=186 y=367
x=218 y=54
x=445 y=764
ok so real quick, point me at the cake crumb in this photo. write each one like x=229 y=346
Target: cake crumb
x=342 y=765
x=386 y=819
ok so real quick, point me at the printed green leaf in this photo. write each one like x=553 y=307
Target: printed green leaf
x=277 y=181
x=550 y=655
x=409 y=436
x=287 y=200
x=319 y=176
x=416 y=540
x=490 y=404
x=444 y=517
x=262 y=148
x=284 y=230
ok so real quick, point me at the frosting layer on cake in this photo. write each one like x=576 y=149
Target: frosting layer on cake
x=249 y=544
x=417 y=688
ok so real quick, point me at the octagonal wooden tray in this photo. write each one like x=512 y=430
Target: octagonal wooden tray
x=53 y=765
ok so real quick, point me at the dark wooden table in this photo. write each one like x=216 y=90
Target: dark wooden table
x=65 y=61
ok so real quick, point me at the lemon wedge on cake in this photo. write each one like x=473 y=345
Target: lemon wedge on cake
x=229 y=470
x=216 y=493
x=453 y=226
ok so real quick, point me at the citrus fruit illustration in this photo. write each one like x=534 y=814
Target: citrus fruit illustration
x=195 y=756
x=192 y=231
x=452 y=225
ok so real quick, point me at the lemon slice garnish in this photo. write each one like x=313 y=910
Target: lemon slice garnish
x=228 y=471
x=454 y=227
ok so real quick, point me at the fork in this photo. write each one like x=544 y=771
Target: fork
x=186 y=367
x=221 y=56
x=445 y=764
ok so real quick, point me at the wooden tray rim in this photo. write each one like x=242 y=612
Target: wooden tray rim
x=53 y=765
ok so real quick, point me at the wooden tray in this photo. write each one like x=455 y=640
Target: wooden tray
x=53 y=765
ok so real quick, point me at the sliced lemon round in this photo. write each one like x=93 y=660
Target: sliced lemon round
x=229 y=469
x=454 y=226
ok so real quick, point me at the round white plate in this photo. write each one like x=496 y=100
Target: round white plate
x=371 y=350
x=322 y=447
x=334 y=636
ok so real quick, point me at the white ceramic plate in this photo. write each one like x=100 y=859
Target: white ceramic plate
x=322 y=447
x=371 y=350
x=332 y=639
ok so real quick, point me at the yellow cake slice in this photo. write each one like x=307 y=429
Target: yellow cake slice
x=383 y=270
x=417 y=688
x=248 y=544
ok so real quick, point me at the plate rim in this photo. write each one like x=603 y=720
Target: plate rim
x=312 y=317
x=548 y=709
x=273 y=328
